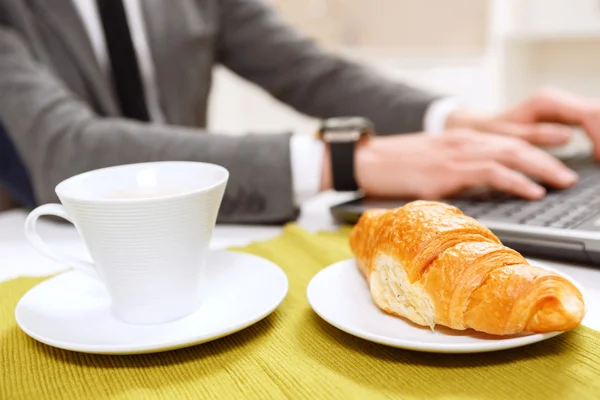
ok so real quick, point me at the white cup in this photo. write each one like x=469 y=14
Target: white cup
x=147 y=227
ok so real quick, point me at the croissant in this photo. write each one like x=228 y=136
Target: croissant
x=430 y=263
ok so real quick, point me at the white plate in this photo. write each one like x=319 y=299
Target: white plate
x=71 y=311
x=340 y=295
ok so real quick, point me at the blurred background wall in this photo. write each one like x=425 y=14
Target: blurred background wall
x=488 y=53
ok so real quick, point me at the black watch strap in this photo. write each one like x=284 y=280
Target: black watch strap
x=342 y=166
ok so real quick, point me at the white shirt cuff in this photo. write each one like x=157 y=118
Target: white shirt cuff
x=307 y=164
x=437 y=113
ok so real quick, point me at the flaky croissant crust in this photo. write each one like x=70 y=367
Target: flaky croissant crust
x=430 y=263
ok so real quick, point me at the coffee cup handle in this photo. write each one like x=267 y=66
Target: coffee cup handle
x=43 y=248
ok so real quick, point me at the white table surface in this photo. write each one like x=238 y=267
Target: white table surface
x=18 y=258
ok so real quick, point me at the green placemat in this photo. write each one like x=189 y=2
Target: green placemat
x=294 y=354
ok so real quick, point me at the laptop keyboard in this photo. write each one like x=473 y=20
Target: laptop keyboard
x=565 y=209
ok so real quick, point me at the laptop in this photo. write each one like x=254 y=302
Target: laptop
x=564 y=225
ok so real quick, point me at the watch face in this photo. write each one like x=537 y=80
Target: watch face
x=347 y=123
x=345 y=129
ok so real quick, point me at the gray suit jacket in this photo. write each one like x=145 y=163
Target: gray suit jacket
x=63 y=117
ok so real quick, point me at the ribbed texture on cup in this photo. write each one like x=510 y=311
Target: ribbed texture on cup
x=150 y=253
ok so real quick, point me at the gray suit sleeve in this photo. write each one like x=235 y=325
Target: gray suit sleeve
x=59 y=136
x=257 y=45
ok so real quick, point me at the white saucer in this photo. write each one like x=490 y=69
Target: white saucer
x=340 y=295
x=71 y=311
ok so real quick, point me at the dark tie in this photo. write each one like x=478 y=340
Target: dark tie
x=123 y=60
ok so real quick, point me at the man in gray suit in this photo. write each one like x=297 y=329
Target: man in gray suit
x=86 y=84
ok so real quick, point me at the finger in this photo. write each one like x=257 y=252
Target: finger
x=559 y=106
x=502 y=178
x=592 y=127
x=540 y=134
x=518 y=155
x=535 y=163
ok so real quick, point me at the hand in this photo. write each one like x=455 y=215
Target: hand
x=541 y=119
x=434 y=167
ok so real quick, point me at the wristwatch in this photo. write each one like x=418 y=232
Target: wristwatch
x=342 y=134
